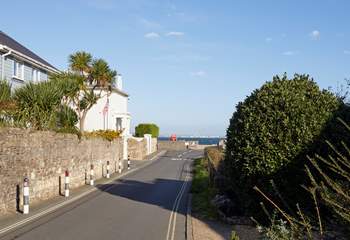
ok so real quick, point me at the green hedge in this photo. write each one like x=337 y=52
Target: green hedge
x=270 y=134
x=147 y=128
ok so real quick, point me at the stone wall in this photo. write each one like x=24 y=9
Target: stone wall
x=154 y=147
x=137 y=148
x=169 y=145
x=43 y=157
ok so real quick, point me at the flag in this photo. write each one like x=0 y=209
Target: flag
x=105 y=108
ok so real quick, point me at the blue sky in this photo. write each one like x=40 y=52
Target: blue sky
x=187 y=63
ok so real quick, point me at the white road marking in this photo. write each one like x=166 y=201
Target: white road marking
x=49 y=210
x=177 y=207
x=172 y=218
x=180 y=159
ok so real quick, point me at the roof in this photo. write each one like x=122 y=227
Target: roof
x=13 y=44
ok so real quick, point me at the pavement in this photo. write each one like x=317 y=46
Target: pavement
x=149 y=203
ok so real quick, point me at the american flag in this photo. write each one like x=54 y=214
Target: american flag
x=105 y=108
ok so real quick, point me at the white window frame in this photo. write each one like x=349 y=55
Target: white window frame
x=35 y=75
x=18 y=70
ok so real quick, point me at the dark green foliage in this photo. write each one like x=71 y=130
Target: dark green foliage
x=330 y=177
x=37 y=104
x=5 y=91
x=270 y=133
x=147 y=128
x=7 y=105
x=66 y=118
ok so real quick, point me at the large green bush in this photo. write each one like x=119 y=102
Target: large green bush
x=37 y=104
x=270 y=133
x=147 y=128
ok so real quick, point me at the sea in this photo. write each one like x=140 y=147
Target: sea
x=201 y=140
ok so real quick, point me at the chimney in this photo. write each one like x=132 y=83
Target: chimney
x=119 y=82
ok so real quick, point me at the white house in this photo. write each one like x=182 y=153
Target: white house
x=110 y=111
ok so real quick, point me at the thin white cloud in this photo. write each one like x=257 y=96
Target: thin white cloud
x=290 y=53
x=175 y=34
x=149 y=24
x=268 y=39
x=199 y=74
x=347 y=52
x=151 y=35
x=315 y=35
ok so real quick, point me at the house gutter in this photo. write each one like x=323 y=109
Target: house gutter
x=3 y=61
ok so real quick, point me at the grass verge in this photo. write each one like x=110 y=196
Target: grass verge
x=202 y=191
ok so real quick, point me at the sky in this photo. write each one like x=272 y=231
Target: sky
x=187 y=63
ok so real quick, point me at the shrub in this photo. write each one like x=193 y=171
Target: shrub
x=37 y=105
x=331 y=178
x=66 y=120
x=329 y=187
x=147 y=128
x=109 y=135
x=270 y=132
x=7 y=105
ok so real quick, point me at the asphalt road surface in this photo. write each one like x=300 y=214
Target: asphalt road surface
x=148 y=204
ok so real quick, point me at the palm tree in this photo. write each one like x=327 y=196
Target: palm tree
x=101 y=73
x=80 y=62
x=88 y=75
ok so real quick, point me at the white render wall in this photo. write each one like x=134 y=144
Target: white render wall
x=118 y=107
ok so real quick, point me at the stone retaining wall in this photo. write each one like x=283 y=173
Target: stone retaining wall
x=43 y=157
x=154 y=145
x=169 y=145
x=137 y=148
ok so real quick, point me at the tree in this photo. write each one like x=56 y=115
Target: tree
x=85 y=82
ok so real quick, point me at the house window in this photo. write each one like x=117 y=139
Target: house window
x=18 y=70
x=119 y=124
x=35 y=75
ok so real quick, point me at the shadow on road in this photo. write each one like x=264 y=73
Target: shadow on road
x=160 y=192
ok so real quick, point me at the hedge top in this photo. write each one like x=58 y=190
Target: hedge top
x=147 y=128
x=276 y=123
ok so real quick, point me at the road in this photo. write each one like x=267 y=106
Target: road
x=150 y=203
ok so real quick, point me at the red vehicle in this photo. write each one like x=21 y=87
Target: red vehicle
x=173 y=137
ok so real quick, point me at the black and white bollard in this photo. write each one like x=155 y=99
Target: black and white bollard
x=66 y=184
x=92 y=175
x=107 y=168
x=128 y=162
x=26 y=196
x=120 y=166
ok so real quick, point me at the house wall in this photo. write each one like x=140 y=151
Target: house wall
x=8 y=68
x=8 y=72
x=95 y=119
x=43 y=157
